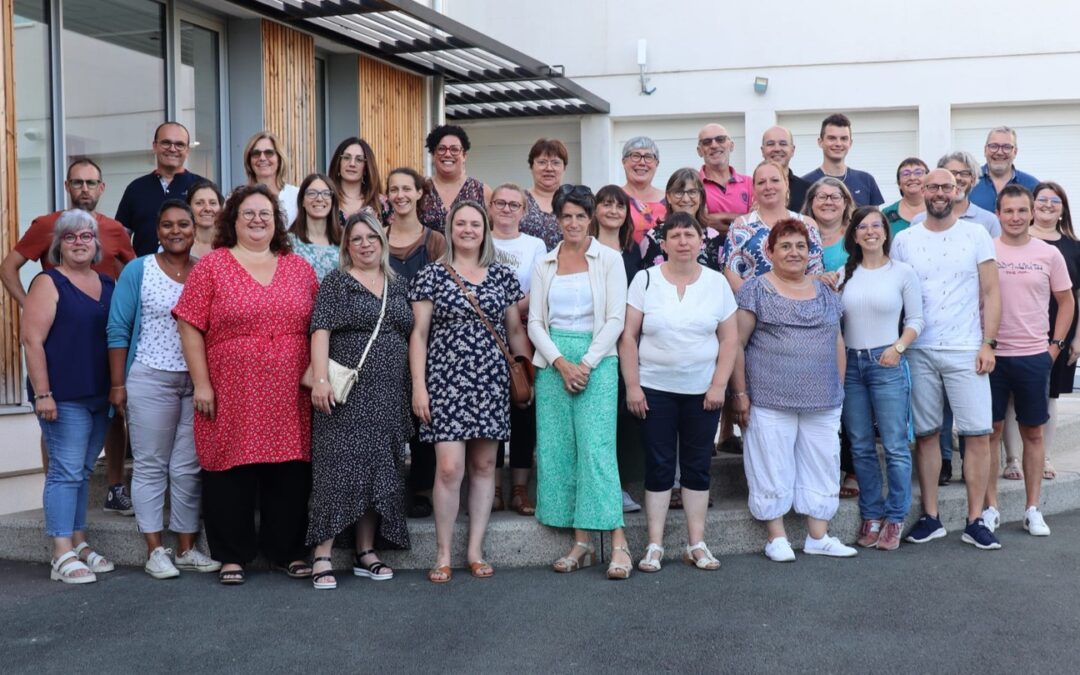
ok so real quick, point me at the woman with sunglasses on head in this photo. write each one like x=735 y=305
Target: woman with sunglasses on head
x=877 y=291
x=909 y=178
x=265 y=163
x=356 y=179
x=315 y=235
x=575 y=318
x=685 y=193
x=449 y=185
x=640 y=159
x=63 y=332
x=1053 y=224
x=205 y=200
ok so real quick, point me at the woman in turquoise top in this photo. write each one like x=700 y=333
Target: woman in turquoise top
x=909 y=178
x=830 y=204
x=315 y=235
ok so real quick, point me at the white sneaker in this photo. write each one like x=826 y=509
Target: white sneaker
x=628 y=503
x=829 y=546
x=779 y=550
x=160 y=564
x=991 y=518
x=1034 y=523
x=195 y=560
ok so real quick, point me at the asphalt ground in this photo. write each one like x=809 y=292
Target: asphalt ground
x=941 y=607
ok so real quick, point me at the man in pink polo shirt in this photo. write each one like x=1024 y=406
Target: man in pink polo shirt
x=727 y=194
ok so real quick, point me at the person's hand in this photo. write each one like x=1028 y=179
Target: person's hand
x=118 y=399
x=204 y=401
x=421 y=404
x=575 y=376
x=322 y=397
x=985 y=360
x=45 y=409
x=714 y=398
x=1074 y=351
x=636 y=403
x=890 y=358
x=831 y=279
x=741 y=404
x=1054 y=352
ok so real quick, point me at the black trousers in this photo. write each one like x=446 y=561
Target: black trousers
x=421 y=466
x=522 y=439
x=280 y=491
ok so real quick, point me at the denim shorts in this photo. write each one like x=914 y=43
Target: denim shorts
x=937 y=373
x=1027 y=379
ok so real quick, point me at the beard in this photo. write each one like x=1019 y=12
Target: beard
x=935 y=212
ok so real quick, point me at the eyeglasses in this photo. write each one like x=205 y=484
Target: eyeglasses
x=452 y=150
x=826 y=197
x=914 y=173
x=318 y=194
x=685 y=194
x=636 y=157
x=944 y=188
x=962 y=174
x=178 y=145
x=249 y=215
x=78 y=183
x=713 y=140
x=1000 y=147
x=503 y=205
x=1049 y=200
x=81 y=237
x=871 y=225
x=268 y=153
x=349 y=159
x=361 y=238
x=549 y=163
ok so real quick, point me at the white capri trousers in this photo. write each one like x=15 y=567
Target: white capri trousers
x=792 y=458
x=160 y=417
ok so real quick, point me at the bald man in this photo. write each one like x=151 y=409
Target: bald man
x=778 y=145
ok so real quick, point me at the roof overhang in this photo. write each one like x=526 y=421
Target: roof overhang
x=483 y=78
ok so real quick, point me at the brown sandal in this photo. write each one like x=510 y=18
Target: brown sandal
x=481 y=569
x=520 y=502
x=497 y=503
x=440 y=575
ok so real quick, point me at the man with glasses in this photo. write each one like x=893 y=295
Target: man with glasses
x=964 y=168
x=727 y=193
x=169 y=180
x=954 y=354
x=778 y=145
x=835 y=142
x=84 y=187
x=1000 y=169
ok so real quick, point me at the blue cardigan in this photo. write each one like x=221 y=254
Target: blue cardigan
x=125 y=311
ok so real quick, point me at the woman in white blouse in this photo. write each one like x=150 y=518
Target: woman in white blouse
x=265 y=163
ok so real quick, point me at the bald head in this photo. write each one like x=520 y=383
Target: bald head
x=714 y=146
x=778 y=145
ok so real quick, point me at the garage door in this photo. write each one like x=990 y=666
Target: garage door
x=1048 y=138
x=677 y=140
x=500 y=150
x=882 y=139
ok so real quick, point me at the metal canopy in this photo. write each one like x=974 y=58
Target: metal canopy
x=483 y=78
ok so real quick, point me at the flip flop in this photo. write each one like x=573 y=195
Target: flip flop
x=231 y=577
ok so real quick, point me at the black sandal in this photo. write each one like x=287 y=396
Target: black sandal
x=296 y=570
x=371 y=571
x=317 y=577
x=231 y=577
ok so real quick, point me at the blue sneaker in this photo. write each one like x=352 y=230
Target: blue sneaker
x=926 y=529
x=979 y=535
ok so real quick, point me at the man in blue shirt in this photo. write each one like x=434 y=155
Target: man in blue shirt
x=143 y=196
x=835 y=142
x=999 y=170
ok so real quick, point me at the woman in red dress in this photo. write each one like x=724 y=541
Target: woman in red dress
x=243 y=319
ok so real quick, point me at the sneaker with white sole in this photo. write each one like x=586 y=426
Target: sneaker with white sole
x=1034 y=523
x=628 y=503
x=991 y=518
x=979 y=535
x=194 y=560
x=779 y=550
x=828 y=546
x=160 y=565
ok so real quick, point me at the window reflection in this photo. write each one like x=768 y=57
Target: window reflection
x=198 y=97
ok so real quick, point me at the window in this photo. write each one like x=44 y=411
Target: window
x=321 y=164
x=198 y=85
x=33 y=112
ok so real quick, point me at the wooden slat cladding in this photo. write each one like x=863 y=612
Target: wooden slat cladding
x=11 y=390
x=289 y=95
x=392 y=114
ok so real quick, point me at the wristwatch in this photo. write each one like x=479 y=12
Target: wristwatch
x=899 y=347
x=1060 y=344
x=990 y=341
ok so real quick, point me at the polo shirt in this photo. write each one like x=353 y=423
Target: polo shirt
x=984 y=194
x=797 y=189
x=973 y=214
x=116 y=248
x=864 y=189
x=143 y=198
x=735 y=197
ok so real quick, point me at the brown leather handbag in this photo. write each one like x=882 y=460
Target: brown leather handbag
x=522 y=372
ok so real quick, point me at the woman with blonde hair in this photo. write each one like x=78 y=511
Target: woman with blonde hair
x=266 y=163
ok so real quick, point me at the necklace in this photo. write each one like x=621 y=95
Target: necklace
x=162 y=264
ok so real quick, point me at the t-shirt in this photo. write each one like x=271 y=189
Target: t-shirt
x=947 y=264
x=976 y=215
x=678 y=348
x=863 y=187
x=737 y=196
x=834 y=256
x=1027 y=275
x=116 y=248
x=897 y=224
x=522 y=253
x=873 y=301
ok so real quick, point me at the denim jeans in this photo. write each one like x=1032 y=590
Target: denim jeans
x=876 y=392
x=74 y=441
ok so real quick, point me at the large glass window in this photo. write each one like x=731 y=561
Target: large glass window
x=199 y=97
x=114 y=86
x=320 y=115
x=33 y=111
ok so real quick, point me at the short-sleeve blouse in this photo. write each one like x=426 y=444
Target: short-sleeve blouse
x=433 y=211
x=744 y=249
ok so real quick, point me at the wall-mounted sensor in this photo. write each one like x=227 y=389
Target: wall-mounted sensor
x=642 y=61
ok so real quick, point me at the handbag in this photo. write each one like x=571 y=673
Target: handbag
x=342 y=378
x=522 y=373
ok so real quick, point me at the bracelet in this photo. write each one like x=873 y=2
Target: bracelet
x=47 y=394
x=738 y=394
x=320 y=381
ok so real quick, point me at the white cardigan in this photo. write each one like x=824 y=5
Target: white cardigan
x=607 y=281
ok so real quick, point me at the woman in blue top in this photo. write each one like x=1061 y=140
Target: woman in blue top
x=63 y=333
x=315 y=235
x=830 y=204
x=152 y=388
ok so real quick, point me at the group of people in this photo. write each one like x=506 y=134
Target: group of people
x=285 y=349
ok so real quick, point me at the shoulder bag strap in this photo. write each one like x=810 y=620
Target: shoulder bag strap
x=378 y=324
x=480 y=312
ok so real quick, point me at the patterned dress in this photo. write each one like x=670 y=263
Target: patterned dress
x=539 y=223
x=744 y=250
x=357 y=460
x=257 y=349
x=322 y=258
x=468 y=378
x=433 y=211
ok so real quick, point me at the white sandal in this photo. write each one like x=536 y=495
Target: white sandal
x=617 y=571
x=66 y=565
x=647 y=562
x=97 y=563
x=570 y=564
x=706 y=562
